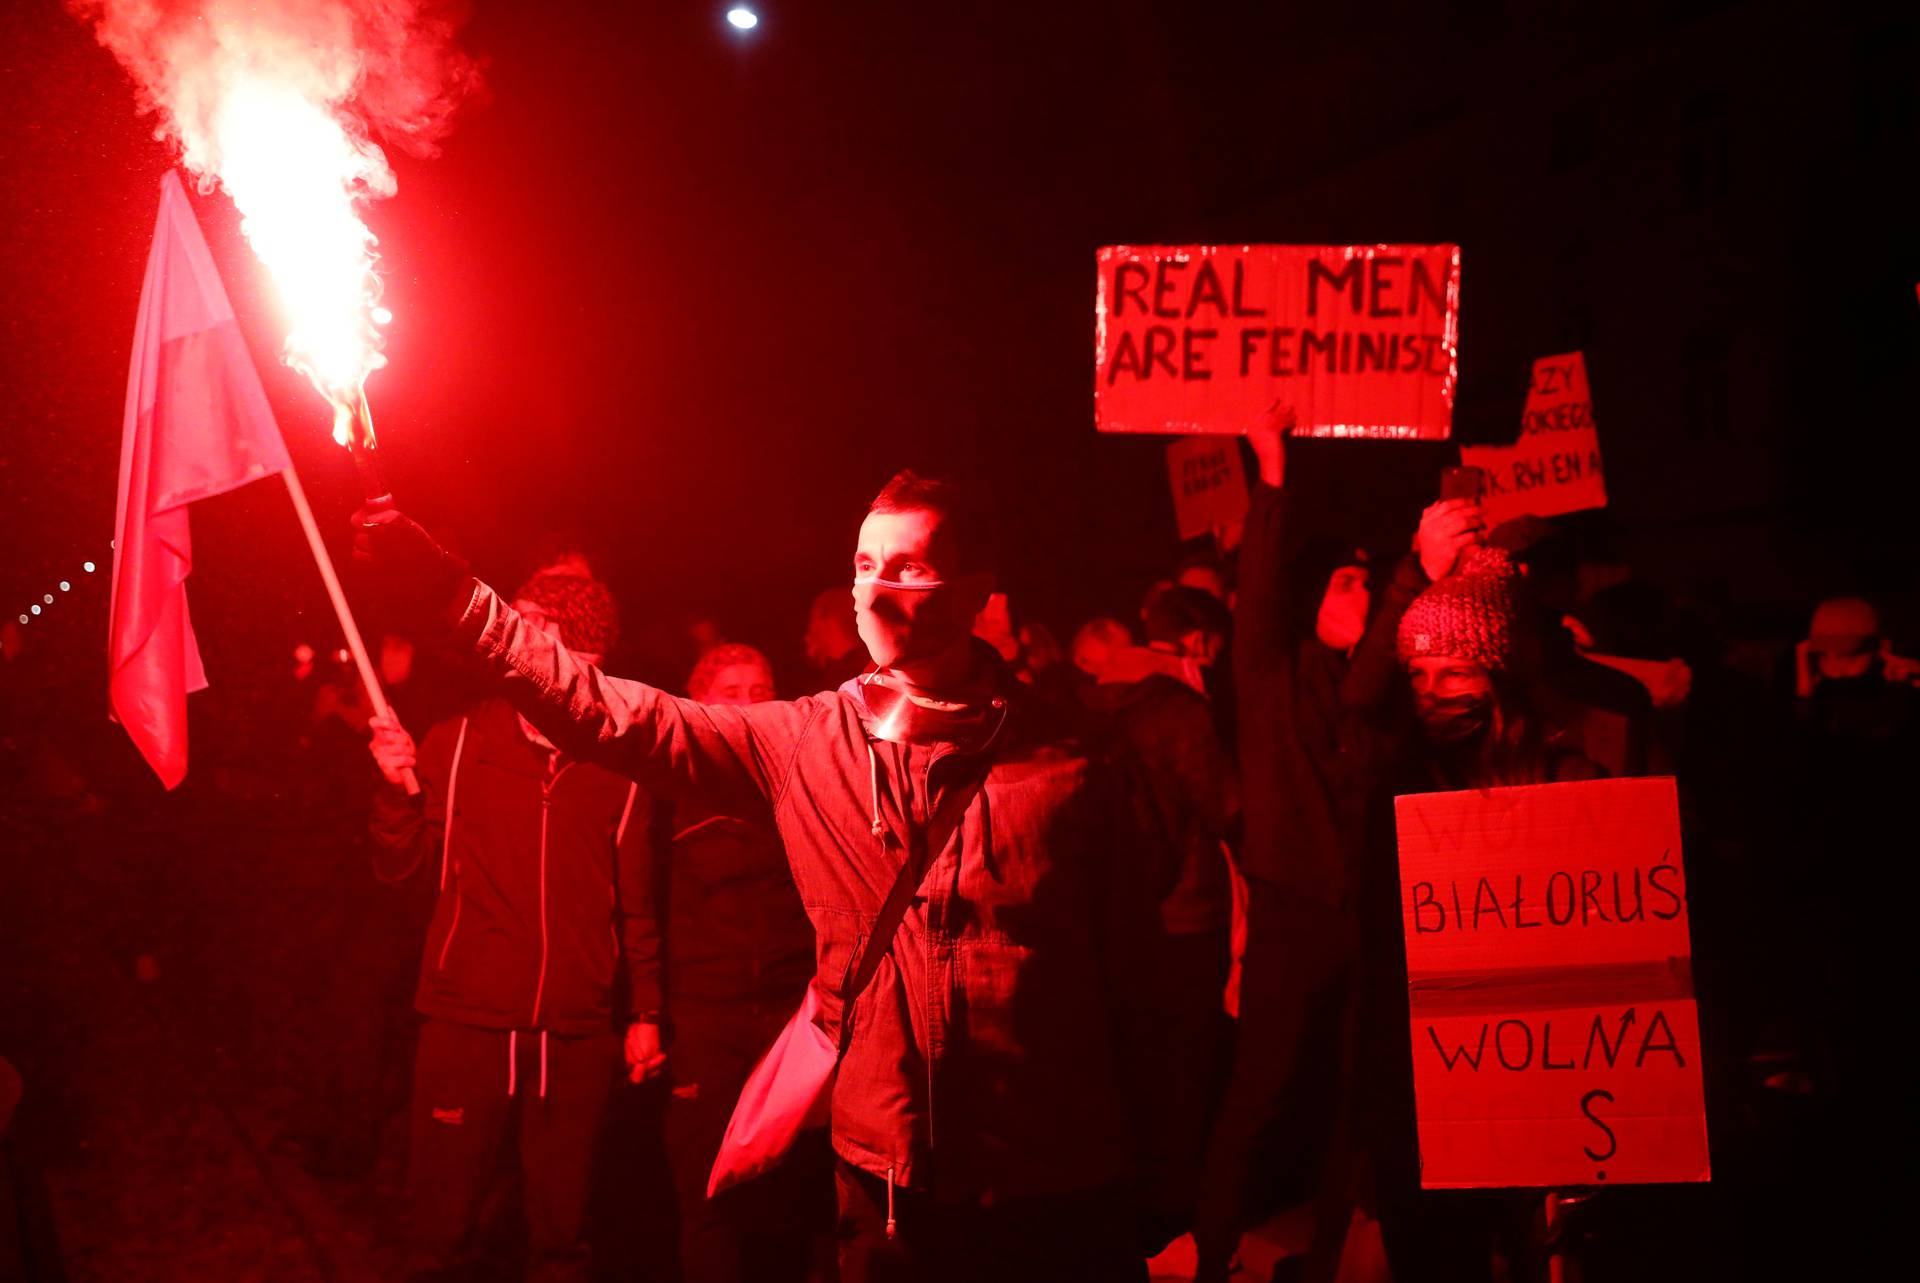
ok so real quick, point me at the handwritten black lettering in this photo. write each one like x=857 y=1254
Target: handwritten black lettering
x=1586 y=1107
x=1460 y=1053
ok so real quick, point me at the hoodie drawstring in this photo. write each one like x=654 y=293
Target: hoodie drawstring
x=892 y=1224
x=513 y=1062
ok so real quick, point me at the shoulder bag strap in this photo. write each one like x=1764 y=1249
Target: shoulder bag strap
x=940 y=826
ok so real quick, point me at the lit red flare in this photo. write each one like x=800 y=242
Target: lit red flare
x=296 y=175
x=278 y=102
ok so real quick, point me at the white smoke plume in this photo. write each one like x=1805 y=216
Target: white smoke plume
x=385 y=69
x=285 y=104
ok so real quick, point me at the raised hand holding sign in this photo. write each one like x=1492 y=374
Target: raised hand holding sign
x=1360 y=340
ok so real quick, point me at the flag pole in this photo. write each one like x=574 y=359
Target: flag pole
x=368 y=679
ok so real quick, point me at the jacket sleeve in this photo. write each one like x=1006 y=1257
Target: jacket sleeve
x=1266 y=654
x=1375 y=672
x=1264 y=632
x=639 y=916
x=405 y=832
x=741 y=755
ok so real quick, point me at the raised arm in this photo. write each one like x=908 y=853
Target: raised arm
x=1446 y=529
x=1265 y=641
x=668 y=744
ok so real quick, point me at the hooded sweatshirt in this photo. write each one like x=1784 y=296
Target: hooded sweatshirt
x=540 y=858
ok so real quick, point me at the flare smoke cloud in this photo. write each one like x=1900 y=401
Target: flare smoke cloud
x=385 y=69
x=286 y=104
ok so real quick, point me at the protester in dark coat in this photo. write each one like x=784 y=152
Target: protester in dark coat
x=1597 y=711
x=1309 y=762
x=1162 y=728
x=1469 y=724
x=737 y=956
x=977 y=1113
x=537 y=855
x=1855 y=757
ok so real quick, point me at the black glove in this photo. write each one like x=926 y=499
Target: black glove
x=423 y=580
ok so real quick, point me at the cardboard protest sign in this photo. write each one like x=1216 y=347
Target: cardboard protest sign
x=1361 y=340
x=1555 y=1040
x=1555 y=466
x=1209 y=484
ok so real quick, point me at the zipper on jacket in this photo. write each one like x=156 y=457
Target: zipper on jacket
x=546 y=815
x=447 y=862
x=446 y=946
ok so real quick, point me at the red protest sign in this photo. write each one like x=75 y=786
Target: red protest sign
x=1555 y=465
x=1209 y=483
x=1361 y=340
x=1555 y=1040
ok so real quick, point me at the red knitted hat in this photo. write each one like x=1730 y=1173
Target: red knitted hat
x=1469 y=615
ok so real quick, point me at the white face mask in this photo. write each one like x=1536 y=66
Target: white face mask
x=919 y=585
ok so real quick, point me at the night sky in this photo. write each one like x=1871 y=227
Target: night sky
x=698 y=294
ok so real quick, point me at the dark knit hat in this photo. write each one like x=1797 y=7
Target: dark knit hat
x=582 y=609
x=1469 y=615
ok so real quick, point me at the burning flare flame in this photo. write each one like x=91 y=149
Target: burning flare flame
x=296 y=176
x=277 y=101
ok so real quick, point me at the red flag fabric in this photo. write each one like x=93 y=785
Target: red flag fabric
x=197 y=425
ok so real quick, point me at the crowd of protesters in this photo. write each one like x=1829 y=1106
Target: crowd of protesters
x=1148 y=980
x=1104 y=937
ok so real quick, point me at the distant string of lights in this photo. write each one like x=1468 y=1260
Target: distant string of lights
x=41 y=608
x=47 y=599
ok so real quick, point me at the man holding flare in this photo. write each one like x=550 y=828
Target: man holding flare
x=979 y=1114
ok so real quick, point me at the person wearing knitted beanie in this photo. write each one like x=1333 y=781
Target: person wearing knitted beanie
x=1469 y=615
x=1453 y=640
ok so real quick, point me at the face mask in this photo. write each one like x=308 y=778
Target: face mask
x=1452 y=721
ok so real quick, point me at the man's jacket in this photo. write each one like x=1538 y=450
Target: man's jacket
x=982 y=1062
x=537 y=865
